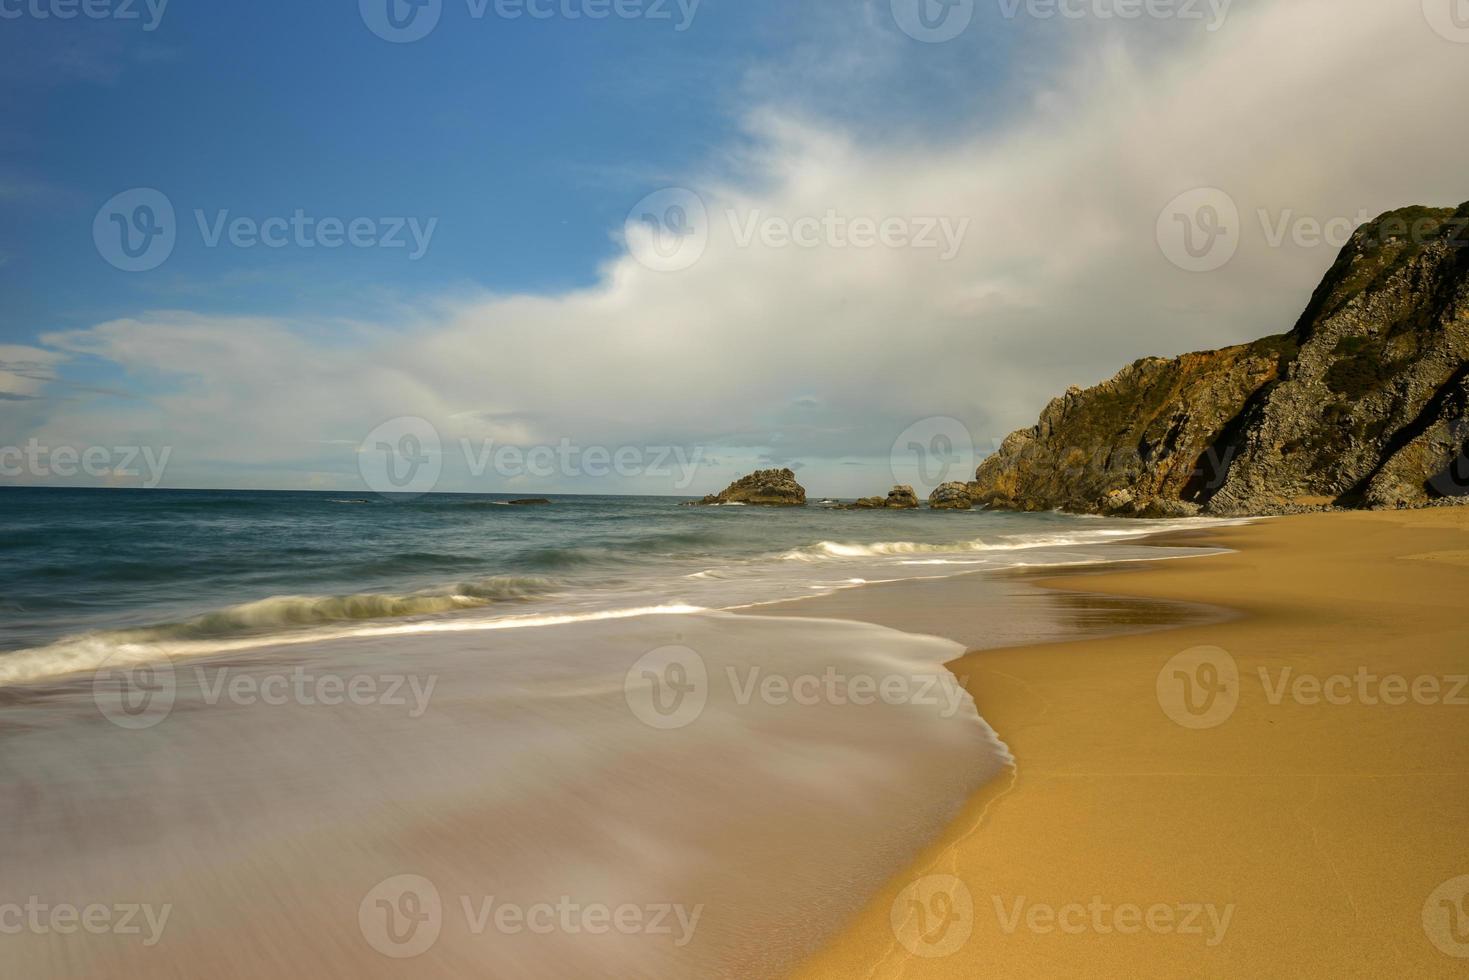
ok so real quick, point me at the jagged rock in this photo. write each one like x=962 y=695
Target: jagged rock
x=901 y=497
x=1120 y=501
x=950 y=496
x=763 y=488
x=1362 y=403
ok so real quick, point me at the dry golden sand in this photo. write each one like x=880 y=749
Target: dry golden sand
x=1322 y=829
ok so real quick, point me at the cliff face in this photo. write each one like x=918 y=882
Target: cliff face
x=1362 y=404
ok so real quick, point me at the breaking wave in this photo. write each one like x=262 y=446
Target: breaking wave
x=895 y=549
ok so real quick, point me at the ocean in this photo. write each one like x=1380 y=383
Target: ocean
x=86 y=573
x=332 y=735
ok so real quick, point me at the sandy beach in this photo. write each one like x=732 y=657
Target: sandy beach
x=1165 y=818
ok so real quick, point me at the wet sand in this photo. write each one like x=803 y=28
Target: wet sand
x=588 y=799
x=1166 y=818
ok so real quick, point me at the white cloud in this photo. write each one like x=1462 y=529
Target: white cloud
x=24 y=371
x=1324 y=107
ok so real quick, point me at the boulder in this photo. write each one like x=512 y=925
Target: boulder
x=865 y=503
x=951 y=496
x=901 y=497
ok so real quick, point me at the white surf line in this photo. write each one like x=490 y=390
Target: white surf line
x=37 y=666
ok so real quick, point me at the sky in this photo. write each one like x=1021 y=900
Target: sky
x=645 y=246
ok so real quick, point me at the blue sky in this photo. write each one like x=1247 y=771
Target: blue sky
x=1045 y=147
x=528 y=139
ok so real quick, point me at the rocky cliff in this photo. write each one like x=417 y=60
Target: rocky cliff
x=1361 y=404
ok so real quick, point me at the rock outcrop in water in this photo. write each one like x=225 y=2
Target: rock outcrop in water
x=950 y=496
x=763 y=488
x=1361 y=404
x=901 y=498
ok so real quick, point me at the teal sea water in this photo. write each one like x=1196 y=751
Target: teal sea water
x=83 y=572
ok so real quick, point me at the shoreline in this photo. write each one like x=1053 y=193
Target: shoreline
x=1097 y=796
x=1248 y=828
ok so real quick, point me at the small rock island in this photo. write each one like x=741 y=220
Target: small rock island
x=763 y=488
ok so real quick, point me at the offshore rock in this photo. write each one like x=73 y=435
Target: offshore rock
x=763 y=488
x=950 y=496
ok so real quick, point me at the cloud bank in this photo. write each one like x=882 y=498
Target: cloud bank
x=818 y=353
